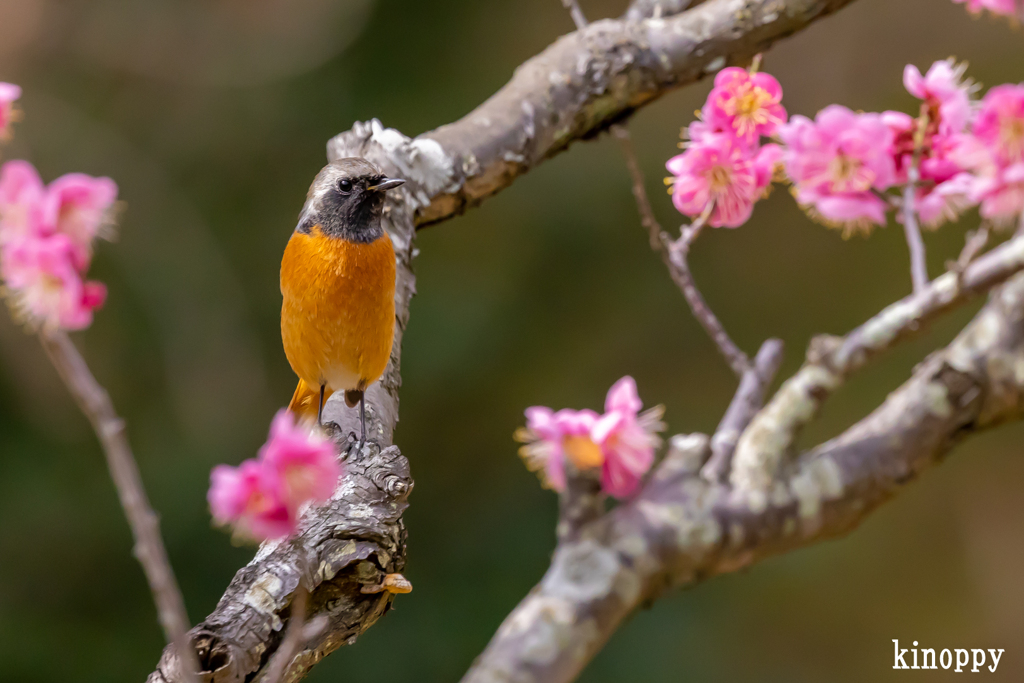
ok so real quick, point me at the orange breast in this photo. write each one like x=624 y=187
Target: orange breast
x=338 y=313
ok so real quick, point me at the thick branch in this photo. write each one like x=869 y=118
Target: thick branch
x=577 y=87
x=830 y=360
x=592 y=78
x=683 y=529
x=353 y=541
x=293 y=640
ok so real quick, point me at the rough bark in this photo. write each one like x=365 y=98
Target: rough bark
x=830 y=360
x=578 y=87
x=589 y=79
x=350 y=543
x=647 y=9
x=683 y=529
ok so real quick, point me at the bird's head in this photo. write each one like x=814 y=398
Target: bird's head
x=346 y=200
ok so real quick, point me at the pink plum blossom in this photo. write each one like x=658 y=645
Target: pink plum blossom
x=1006 y=8
x=944 y=188
x=78 y=206
x=837 y=163
x=1000 y=123
x=21 y=199
x=716 y=170
x=945 y=92
x=261 y=498
x=621 y=442
x=302 y=459
x=745 y=105
x=994 y=153
x=44 y=283
x=9 y=93
x=249 y=498
x=1000 y=189
x=903 y=127
x=75 y=205
x=946 y=201
x=551 y=436
x=627 y=439
x=938 y=162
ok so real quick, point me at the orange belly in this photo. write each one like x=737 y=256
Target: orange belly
x=338 y=313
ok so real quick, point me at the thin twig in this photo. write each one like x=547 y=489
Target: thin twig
x=688 y=234
x=675 y=254
x=295 y=637
x=657 y=9
x=575 y=12
x=974 y=243
x=918 y=260
x=149 y=546
x=767 y=442
x=745 y=403
x=918 y=264
x=643 y=204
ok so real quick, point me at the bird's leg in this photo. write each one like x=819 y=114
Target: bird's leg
x=354 y=397
x=362 y=420
x=320 y=408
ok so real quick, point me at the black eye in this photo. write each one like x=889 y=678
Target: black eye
x=345 y=186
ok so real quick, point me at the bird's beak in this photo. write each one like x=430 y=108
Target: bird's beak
x=386 y=184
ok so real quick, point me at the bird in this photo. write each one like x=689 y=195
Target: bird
x=338 y=289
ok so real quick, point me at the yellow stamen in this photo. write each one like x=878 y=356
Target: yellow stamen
x=1011 y=136
x=583 y=452
x=719 y=179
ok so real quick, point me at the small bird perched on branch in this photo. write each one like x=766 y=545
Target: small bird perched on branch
x=338 y=286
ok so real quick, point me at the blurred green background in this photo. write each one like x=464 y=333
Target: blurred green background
x=212 y=115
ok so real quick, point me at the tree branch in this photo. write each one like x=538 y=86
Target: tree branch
x=748 y=400
x=353 y=541
x=675 y=256
x=575 y=12
x=149 y=546
x=657 y=9
x=358 y=538
x=592 y=78
x=581 y=502
x=918 y=262
x=830 y=360
x=643 y=204
x=683 y=529
x=573 y=90
x=293 y=640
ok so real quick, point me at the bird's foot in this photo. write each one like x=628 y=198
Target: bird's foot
x=355 y=444
x=330 y=429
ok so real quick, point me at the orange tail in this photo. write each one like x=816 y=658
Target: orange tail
x=305 y=403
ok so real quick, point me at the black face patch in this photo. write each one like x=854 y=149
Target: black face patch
x=348 y=210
